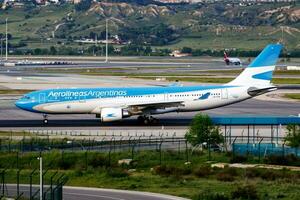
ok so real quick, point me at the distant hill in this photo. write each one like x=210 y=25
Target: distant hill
x=206 y=26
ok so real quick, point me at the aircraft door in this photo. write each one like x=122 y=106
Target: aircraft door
x=166 y=96
x=82 y=98
x=224 y=93
x=42 y=98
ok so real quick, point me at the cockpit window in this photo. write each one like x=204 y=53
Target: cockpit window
x=26 y=97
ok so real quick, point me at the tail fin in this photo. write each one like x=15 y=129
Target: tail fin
x=260 y=70
x=225 y=55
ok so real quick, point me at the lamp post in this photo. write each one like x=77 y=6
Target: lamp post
x=106 y=41
x=6 y=47
x=41 y=177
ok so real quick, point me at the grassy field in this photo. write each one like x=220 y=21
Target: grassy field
x=17 y=92
x=219 y=80
x=293 y=96
x=35 y=27
x=172 y=176
x=248 y=39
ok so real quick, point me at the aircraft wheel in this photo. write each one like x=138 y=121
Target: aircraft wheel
x=147 y=121
x=155 y=121
x=45 y=116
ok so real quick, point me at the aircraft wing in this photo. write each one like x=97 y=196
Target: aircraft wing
x=154 y=105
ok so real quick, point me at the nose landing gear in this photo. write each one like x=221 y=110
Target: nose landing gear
x=45 y=120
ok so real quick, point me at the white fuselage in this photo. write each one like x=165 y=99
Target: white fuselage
x=190 y=101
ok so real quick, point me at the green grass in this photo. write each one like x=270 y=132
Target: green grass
x=286 y=80
x=36 y=24
x=172 y=177
x=293 y=96
x=251 y=38
x=17 y=92
x=219 y=80
x=13 y=133
x=287 y=72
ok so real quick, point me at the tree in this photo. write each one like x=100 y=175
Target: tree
x=53 y=50
x=186 y=50
x=83 y=5
x=293 y=135
x=203 y=130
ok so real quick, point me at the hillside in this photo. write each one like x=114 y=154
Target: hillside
x=202 y=26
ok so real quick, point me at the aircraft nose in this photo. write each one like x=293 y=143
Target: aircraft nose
x=20 y=103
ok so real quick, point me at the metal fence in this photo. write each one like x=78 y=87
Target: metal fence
x=99 y=144
x=52 y=186
x=249 y=141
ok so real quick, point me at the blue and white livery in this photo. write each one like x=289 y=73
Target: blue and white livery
x=113 y=104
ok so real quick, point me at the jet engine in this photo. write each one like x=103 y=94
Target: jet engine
x=113 y=114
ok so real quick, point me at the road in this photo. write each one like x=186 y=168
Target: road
x=81 y=193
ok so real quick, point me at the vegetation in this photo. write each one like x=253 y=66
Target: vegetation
x=203 y=130
x=293 y=96
x=14 y=91
x=293 y=135
x=153 y=29
x=197 y=180
x=219 y=80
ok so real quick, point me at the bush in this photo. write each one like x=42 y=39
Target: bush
x=225 y=177
x=65 y=164
x=245 y=192
x=203 y=171
x=252 y=173
x=208 y=195
x=117 y=173
x=269 y=175
x=231 y=171
x=238 y=159
x=96 y=160
x=78 y=173
x=290 y=159
x=166 y=170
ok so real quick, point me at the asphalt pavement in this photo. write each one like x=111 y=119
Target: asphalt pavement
x=83 y=193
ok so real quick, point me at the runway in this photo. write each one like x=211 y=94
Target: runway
x=27 y=78
x=202 y=65
x=15 y=117
x=77 y=193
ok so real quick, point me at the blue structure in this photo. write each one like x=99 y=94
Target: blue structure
x=264 y=149
x=253 y=144
x=255 y=120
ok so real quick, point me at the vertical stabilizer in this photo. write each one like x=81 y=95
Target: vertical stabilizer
x=260 y=70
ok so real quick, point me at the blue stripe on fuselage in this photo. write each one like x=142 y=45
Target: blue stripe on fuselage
x=61 y=95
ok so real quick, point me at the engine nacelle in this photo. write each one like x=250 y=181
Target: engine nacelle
x=113 y=114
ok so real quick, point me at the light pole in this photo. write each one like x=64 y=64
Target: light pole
x=6 y=47
x=1 y=48
x=106 y=41
x=41 y=177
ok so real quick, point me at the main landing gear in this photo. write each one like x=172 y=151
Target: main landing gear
x=147 y=120
x=45 y=120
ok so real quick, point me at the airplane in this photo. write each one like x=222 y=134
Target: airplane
x=115 y=104
x=230 y=60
